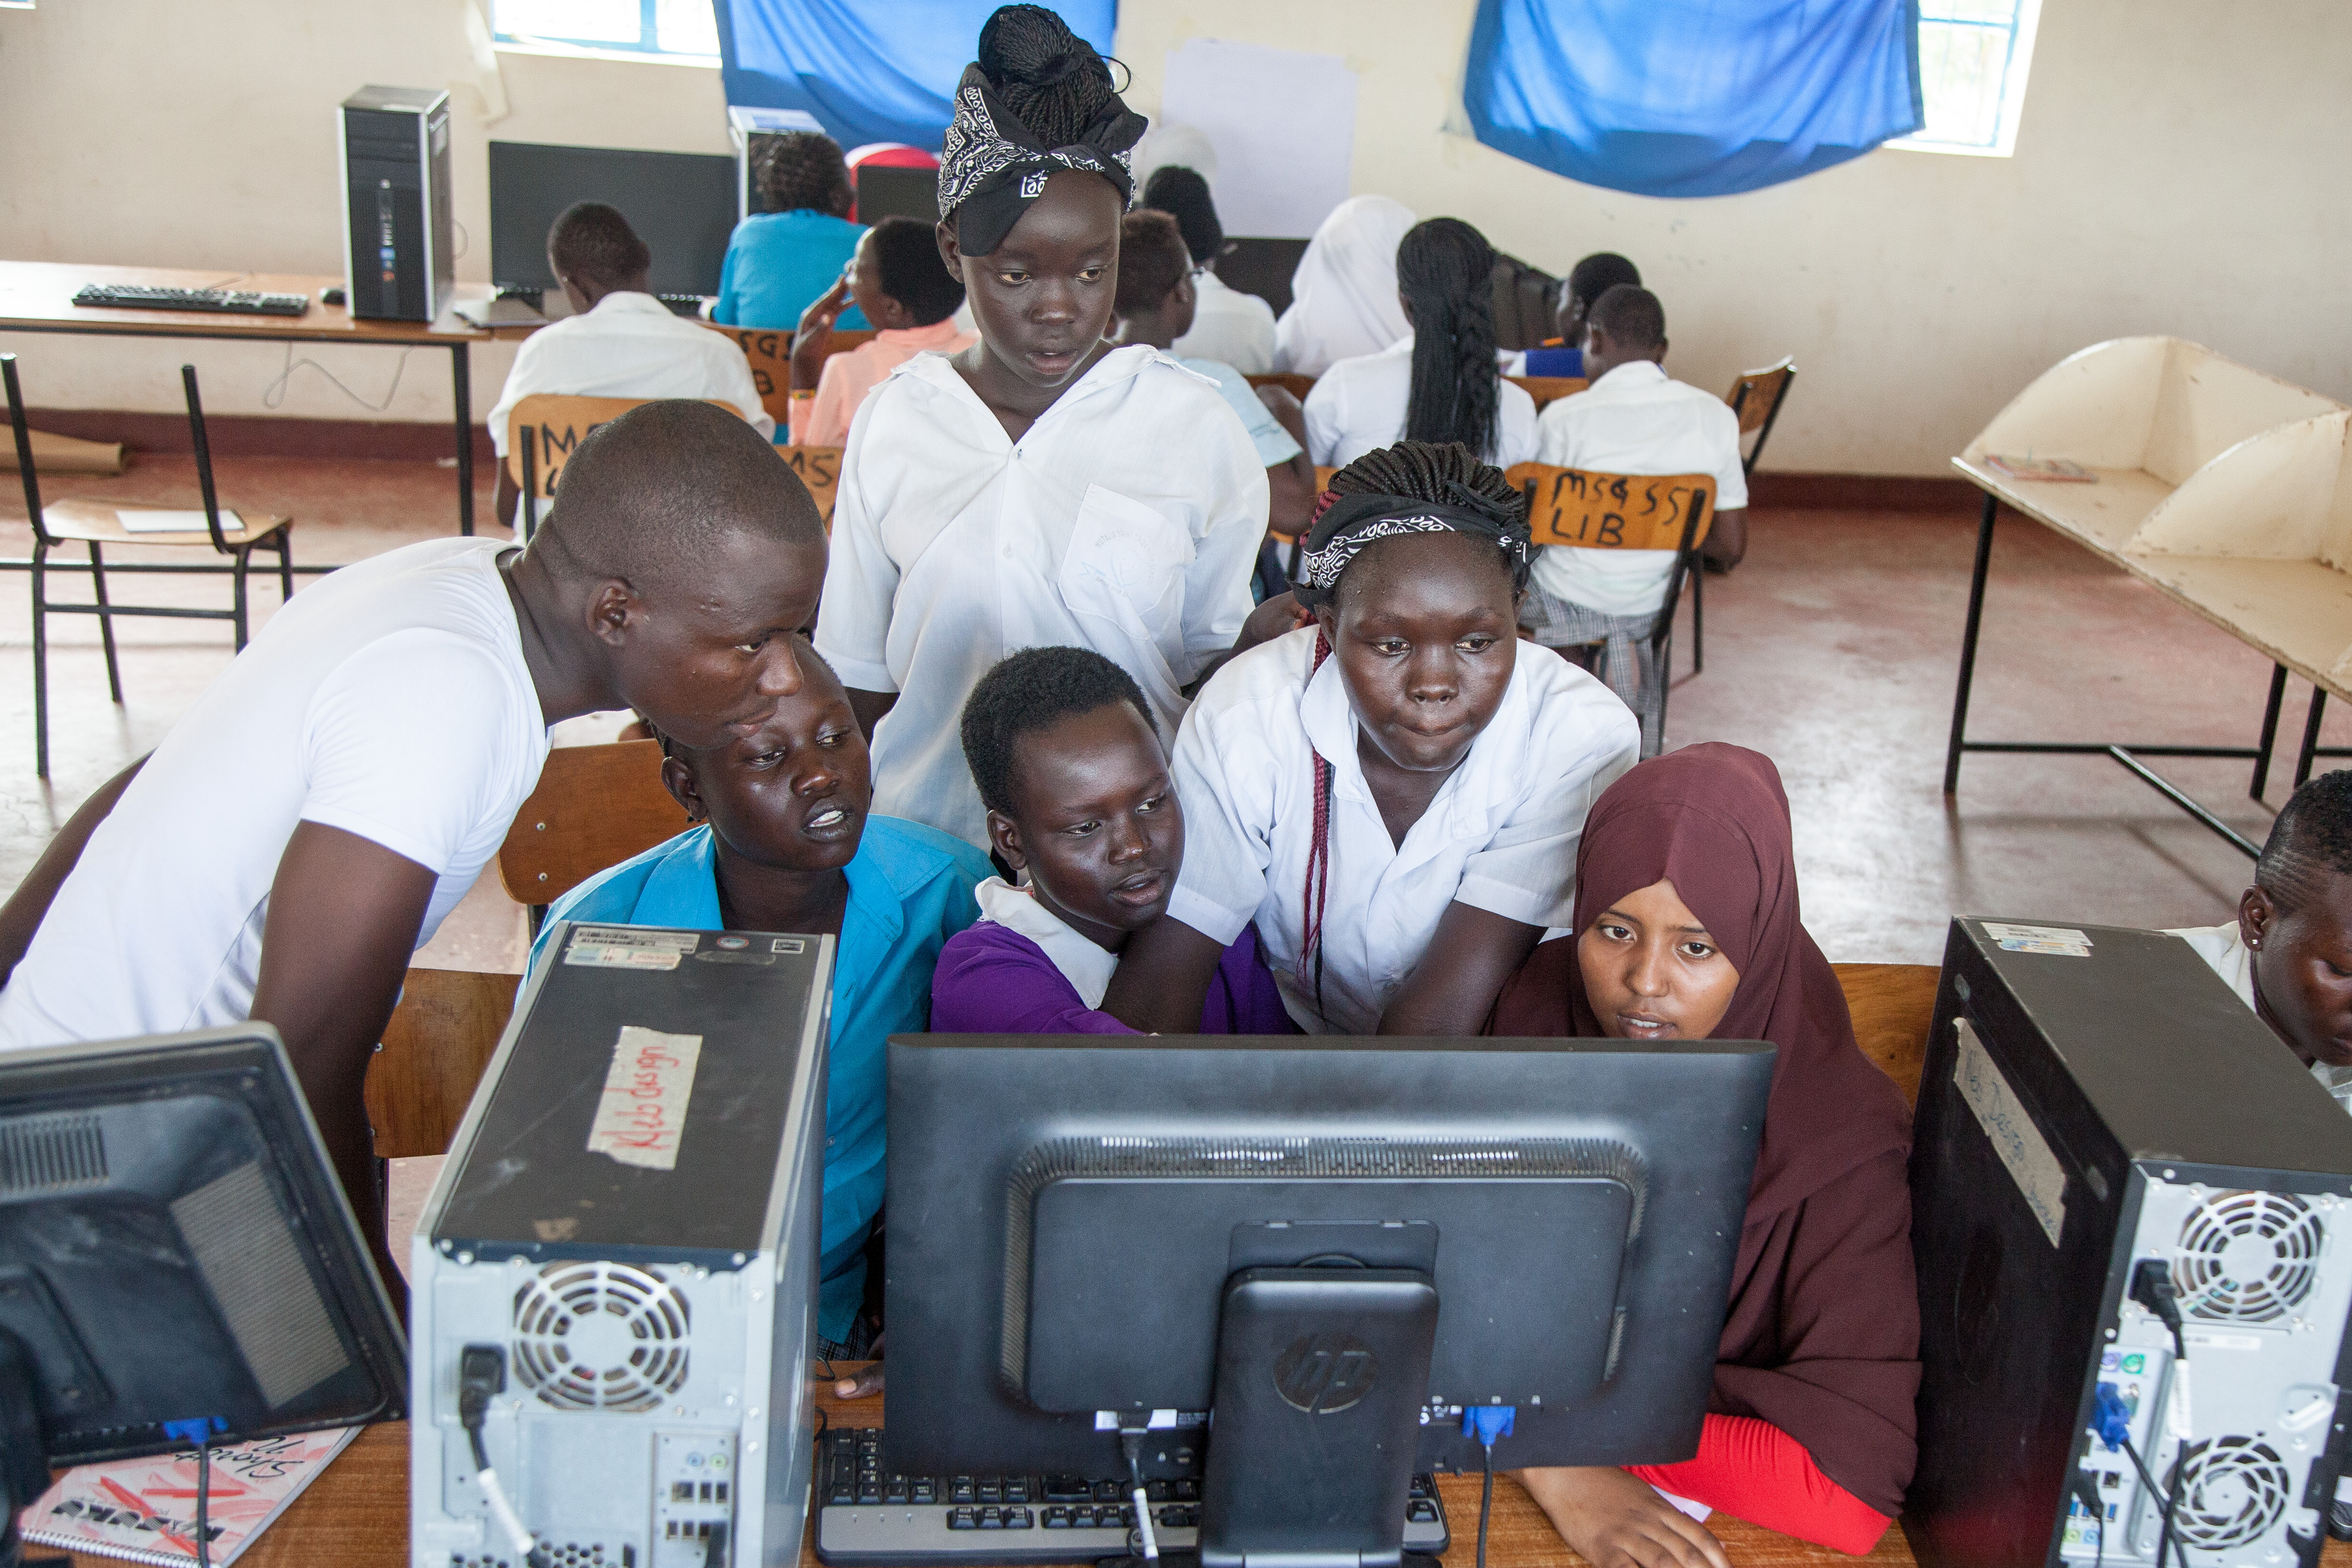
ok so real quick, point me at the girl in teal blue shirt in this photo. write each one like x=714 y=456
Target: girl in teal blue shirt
x=782 y=842
x=781 y=261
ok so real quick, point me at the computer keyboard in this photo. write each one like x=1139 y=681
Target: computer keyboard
x=864 y=1516
x=224 y=301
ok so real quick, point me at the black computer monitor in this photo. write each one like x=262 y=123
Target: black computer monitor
x=887 y=192
x=1335 y=1245
x=177 y=1260
x=682 y=205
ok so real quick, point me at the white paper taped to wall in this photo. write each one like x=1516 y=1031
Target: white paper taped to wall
x=642 y=1115
x=1282 y=123
x=2023 y=1149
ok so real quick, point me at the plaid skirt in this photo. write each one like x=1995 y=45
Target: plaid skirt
x=1626 y=664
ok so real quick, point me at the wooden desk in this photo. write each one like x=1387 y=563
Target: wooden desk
x=2213 y=483
x=38 y=297
x=356 y=1516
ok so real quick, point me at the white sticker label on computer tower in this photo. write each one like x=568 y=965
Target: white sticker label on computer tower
x=2020 y=1144
x=626 y=947
x=642 y=1114
x=2065 y=942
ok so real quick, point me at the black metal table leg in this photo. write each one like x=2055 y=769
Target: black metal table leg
x=2310 y=736
x=2270 y=733
x=1969 y=647
x=461 y=391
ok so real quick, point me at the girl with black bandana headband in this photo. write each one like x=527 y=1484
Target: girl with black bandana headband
x=1041 y=487
x=1393 y=793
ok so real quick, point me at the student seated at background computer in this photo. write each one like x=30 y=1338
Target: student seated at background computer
x=1042 y=487
x=1440 y=381
x=898 y=282
x=1632 y=419
x=1228 y=326
x=619 y=340
x=1688 y=927
x=782 y=841
x=1155 y=305
x=331 y=797
x=2288 y=955
x=1586 y=282
x=780 y=260
x=1080 y=807
x=1391 y=795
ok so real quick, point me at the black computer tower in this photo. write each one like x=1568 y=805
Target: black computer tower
x=2094 y=1101
x=397 y=259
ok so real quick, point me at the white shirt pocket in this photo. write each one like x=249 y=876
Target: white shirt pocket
x=1123 y=580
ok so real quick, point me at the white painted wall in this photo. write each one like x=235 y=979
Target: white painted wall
x=2179 y=169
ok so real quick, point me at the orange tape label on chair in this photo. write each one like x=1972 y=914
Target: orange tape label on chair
x=1615 y=511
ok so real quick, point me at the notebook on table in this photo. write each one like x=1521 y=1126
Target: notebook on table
x=145 y=1510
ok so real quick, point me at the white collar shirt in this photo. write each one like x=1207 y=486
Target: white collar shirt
x=1228 y=326
x=1501 y=834
x=1358 y=405
x=1086 y=964
x=1126 y=519
x=2223 y=949
x=1634 y=420
x=630 y=345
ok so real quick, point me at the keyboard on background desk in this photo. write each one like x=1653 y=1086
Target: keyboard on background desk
x=867 y=1517
x=220 y=301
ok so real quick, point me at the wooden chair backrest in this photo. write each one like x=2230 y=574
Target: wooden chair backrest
x=1298 y=385
x=1758 y=393
x=558 y=422
x=434 y=1048
x=820 y=469
x=595 y=807
x=1548 y=388
x=1892 y=1005
x=1615 y=511
x=768 y=351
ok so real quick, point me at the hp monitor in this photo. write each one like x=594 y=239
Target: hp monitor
x=1328 y=1252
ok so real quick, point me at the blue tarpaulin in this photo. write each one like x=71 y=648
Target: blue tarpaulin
x=870 y=70
x=1692 y=98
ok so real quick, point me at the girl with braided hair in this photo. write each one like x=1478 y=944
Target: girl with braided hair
x=1391 y=794
x=1041 y=487
x=1440 y=381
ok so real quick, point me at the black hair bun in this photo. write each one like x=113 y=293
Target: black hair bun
x=1045 y=73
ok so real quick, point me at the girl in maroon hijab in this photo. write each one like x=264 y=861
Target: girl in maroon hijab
x=1686 y=928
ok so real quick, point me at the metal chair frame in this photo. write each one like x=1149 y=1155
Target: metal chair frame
x=1738 y=401
x=279 y=540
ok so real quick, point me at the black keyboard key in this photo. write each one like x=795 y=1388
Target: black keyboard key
x=1187 y=1489
x=925 y=1492
x=1017 y=1519
x=1068 y=1489
x=963 y=1518
x=992 y=1519
x=963 y=1489
x=1421 y=1510
x=991 y=1491
x=1109 y=1492
x=870 y=1495
x=841 y=1494
x=1057 y=1519
x=1422 y=1486
x=1016 y=1489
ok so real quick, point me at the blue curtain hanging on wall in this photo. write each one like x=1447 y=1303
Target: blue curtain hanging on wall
x=1692 y=98
x=870 y=70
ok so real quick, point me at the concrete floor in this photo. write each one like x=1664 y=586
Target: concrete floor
x=1832 y=650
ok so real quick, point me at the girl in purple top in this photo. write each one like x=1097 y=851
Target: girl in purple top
x=1076 y=782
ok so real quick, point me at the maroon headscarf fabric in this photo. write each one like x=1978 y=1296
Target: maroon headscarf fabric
x=1823 y=1335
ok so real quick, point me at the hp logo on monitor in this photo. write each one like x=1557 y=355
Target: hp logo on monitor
x=1322 y=1374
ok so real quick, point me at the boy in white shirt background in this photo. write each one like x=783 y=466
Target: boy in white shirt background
x=1632 y=419
x=619 y=340
x=1228 y=326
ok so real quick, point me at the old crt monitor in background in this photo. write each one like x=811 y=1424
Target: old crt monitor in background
x=176 y=1257
x=1336 y=1247
x=682 y=205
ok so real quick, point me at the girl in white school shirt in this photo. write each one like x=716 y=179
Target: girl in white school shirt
x=1394 y=794
x=1039 y=489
